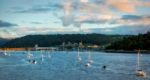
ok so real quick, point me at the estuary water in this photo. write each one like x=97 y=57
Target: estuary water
x=62 y=65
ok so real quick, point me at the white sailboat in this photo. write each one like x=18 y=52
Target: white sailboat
x=5 y=53
x=29 y=57
x=89 y=58
x=42 y=56
x=139 y=71
x=90 y=61
x=87 y=64
x=49 y=56
x=78 y=56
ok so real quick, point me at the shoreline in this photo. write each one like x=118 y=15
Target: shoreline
x=102 y=50
x=127 y=51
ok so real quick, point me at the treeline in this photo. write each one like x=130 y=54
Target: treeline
x=141 y=41
x=55 y=40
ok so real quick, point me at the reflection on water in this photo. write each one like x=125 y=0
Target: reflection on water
x=65 y=66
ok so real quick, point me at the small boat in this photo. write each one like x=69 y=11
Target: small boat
x=87 y=64
x=90 y=61
x=89 y=58
x=32 y=61
x=42 y=56
x=139 y=71
x=78 y=56
x=104 y=67
x=5 y=53
x=29 y=57
x=2 y=53
x=49 y=56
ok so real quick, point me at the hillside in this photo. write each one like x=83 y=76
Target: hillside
x=3 y=41
x=54 y=40
x=141 y=41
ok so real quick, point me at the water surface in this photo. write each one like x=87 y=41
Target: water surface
x=61 y=65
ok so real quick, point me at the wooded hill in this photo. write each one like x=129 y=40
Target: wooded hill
x=55 y=40
x=141 y=41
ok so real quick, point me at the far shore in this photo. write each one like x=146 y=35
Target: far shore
x=107 y=51
x=127 y=51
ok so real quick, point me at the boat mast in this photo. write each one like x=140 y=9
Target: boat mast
x=138 y=60
x=79 y=46
x=78 y=52
x=89 y=57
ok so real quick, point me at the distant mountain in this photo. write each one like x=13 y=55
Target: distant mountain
x=141 y=41
x=3 y=41
x=54 y=40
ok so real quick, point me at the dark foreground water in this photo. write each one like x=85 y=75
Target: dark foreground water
x=61 y=65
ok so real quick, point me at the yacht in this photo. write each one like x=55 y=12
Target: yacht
x=139 y=71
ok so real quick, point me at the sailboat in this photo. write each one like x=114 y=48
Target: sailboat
x=139 y=71
x=49 y=56
x=89 y=58
x=78 y=56
x=5 y=53
x=29 y=57
x=42 y=56
x=90 y=61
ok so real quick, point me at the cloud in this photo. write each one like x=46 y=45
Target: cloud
x=88 y=11
x=22 y=31
x=36 y=23
x=123 y=30
x=84 y=1
x=84 y=12
x=75 y=10
x=131 y=29
x=124 y=13
x=131 y=17
x=34 y=10
x=38 y=8
x=132 y=20
x=6 y=24
x=7 y=33
x=127 y=6
x=99 y=11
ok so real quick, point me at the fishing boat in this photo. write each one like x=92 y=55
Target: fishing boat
x=139 y=71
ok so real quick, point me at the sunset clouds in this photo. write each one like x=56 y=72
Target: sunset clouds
x=26 y=17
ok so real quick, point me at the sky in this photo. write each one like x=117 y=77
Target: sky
x=30 y=17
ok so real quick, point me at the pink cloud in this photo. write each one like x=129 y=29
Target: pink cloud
x=127 y=6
